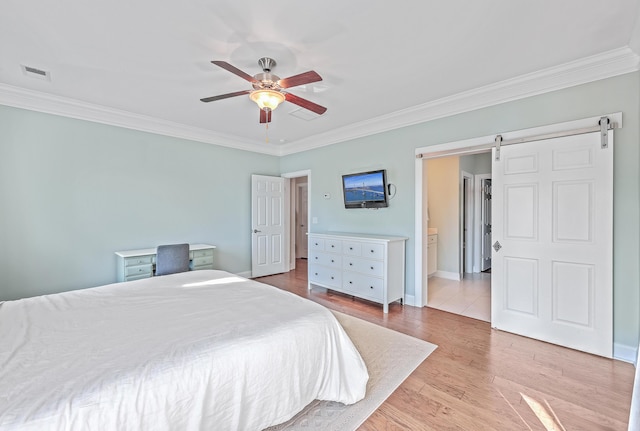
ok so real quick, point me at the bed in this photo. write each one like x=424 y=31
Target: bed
x=197 y=350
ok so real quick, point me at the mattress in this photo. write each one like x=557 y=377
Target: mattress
x=200 y=350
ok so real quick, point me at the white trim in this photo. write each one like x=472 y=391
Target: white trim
x=66 y=107
x=468 y=199
x=605 y=65
x=409 y=300
x=447 y=275
x=471 y=146
x=420 y=288
x=625 y=353
x=245 y=274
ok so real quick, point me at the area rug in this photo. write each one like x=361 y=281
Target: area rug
x=390 y=357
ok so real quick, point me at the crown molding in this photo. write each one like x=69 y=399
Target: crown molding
x=606 y=65
x=72 y=108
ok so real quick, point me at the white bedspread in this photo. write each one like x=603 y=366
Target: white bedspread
x=202 y=350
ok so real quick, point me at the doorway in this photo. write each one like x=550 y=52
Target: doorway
x=456 y=284
x=298 y=217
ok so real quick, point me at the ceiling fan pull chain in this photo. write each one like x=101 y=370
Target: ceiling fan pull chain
x=266 y=132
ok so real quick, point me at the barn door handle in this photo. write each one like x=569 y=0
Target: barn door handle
x=497 y=246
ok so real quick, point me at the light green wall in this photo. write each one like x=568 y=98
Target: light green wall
x=394 y=150
x=72 y=192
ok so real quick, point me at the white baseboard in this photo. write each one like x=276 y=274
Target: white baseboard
x=448 y=275
x=625 y=353
x=409 y=300
x=245 y=274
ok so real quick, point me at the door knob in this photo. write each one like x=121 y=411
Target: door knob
x=256 y=231
x=497 y=246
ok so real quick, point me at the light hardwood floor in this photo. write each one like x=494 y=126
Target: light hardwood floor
x=483 y=379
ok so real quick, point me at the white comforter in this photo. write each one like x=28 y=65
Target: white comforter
x=203 y=350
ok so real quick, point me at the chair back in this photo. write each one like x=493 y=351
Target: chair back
x=172 y=258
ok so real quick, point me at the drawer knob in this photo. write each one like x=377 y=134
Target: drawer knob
x=332 y=246
x=332 y=278
x=316 y=257
x=332 y=260
x=350 y=264
x=372 y=267
x=371 y=251
x=371 y=287
x=351 y=282
x=316 y=273
x=350 y=248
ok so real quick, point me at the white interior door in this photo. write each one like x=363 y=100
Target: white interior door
x=553 y=218
x=268 y=225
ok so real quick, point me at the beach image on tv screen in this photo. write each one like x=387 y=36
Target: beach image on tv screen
x=367 y=187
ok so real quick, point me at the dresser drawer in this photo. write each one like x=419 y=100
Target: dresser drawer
x=326 y=259
x=201 y=253
x=138 y=260
x=333 y=245
x=373 y=251
x=363 y=286
x=364 y=266
x=316 y=244
x=352 y=248
x=202 y=261
x=143 y=270
x=324 y=276
x=137 y=277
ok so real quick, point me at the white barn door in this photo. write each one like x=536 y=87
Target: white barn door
x=268 y=225
x=552 y=275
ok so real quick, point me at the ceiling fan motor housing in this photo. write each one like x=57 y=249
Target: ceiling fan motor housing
x=266 y=80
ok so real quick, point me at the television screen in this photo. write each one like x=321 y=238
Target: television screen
x=365 y=189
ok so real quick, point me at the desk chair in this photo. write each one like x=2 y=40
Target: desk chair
x=172 y=258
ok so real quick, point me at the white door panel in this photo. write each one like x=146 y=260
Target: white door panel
x=552 y=215
x=268 y=224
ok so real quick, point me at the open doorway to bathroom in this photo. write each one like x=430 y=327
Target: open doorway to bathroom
x=458 y=221
x=298 y=216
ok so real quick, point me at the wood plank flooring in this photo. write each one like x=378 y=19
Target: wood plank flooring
x=483 y=379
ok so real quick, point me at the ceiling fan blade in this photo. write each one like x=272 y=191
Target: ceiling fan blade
x=303 y=78
x=307 y=104
x=225 y=96
x=265 y=117
x=234 y=70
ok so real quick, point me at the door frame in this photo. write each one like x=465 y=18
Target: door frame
x=467 y=147
x=290 y=204
x=466 y=223
x=477 y=251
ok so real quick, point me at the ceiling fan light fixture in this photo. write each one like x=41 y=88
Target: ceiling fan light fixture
x=266 y=98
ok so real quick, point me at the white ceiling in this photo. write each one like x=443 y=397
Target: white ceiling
x=146 y=63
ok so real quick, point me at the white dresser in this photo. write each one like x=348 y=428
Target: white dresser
x=136 y=264
x=366 y=266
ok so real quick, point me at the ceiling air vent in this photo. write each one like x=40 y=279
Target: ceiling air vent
x=35 y=72
x=304 y=114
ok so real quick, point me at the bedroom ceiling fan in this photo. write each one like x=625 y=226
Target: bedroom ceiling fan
x=268 y=88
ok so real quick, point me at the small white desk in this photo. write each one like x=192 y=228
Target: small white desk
x=136 y=264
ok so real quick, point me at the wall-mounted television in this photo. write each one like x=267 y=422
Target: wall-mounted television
x=365 y=189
